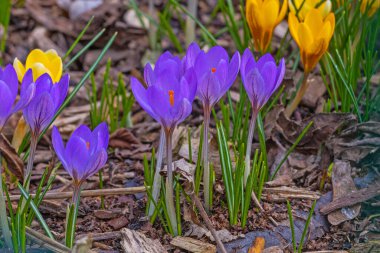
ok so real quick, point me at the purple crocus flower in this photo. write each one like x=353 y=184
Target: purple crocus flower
x=168 y=98
x=46 y=102
x=170 y=92
x=9 y=91
x=215 y=74
x=214 y=70
x=260 y=79
x=85 y=152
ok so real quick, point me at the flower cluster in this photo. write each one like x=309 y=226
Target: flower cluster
x=173 y=84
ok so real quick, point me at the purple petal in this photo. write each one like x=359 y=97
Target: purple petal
x=77 y=155
x=280 y=73
x=191 y=55
x=59 y=91
x=59 y=148
x=101 y=135
x=140 y=94
x=43 y=84
x=160 y=103
x=266 y=58
x=255 y=87
x=25 y=97
x=208 y=88
x=83 y=132
x=96 y=162
x=185 y=111
x=233 y=68
x=190 y=85
x=39 y=112
x=6 y=102
x=216 y=54
x=149 y=76
x=10 y=78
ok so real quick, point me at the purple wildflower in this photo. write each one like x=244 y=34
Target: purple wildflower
x=260 y=79
x=214 y=70
x=85 y=152
x=46 y=102
x=168 y=99
x=9 y=91
x=170 y=92
x=215 y=74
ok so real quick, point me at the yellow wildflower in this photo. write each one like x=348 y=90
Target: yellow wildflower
x=262 y=17
x=312 y=35
x=40 y=62
x=304 y=6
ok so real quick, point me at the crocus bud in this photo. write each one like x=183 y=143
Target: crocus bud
x=372 y=6
x=85 y=153
x=312 y=35
x=304 y=6
x=262 y=17
x=40 y=62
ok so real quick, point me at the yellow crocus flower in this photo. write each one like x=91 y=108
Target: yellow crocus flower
x=304 y=6
x=40 y=62
x=312 y=35
x=262 y=17
x=373 y=6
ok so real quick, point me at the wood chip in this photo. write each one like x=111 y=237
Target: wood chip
x=136 y=242
x=193 y=245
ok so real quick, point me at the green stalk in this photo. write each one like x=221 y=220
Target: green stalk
x=291 y=222
x=3 y=214
x=169 y=198
x=206 y=168
x=72 y=216
x=29 y=166
x=157 y=177
x=247 y=169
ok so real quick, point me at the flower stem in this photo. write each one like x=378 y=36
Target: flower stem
x=157 y=177
x=29 y=166
x=297 y=99
x=3 y=214
x=206 y=168
x=72 y=215
x=251 y=130
x=169 y=198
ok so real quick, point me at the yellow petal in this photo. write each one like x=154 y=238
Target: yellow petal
x=293 y=27
x=331 y=19
x=283 y=11
x=56 y=69
x=305 y=38
x=38 y=70
x=269 y=14
x=20 y=69
x=325 y=8
x=51 y=54
x=36 y=55
x=314 y=21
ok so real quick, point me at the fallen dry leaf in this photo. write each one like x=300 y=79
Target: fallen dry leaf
x=342 y=185
x=124 y=139
x=13 y=161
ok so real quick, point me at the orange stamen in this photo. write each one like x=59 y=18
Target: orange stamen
x=213 y=70
x=88 y=145
x=171 y=97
